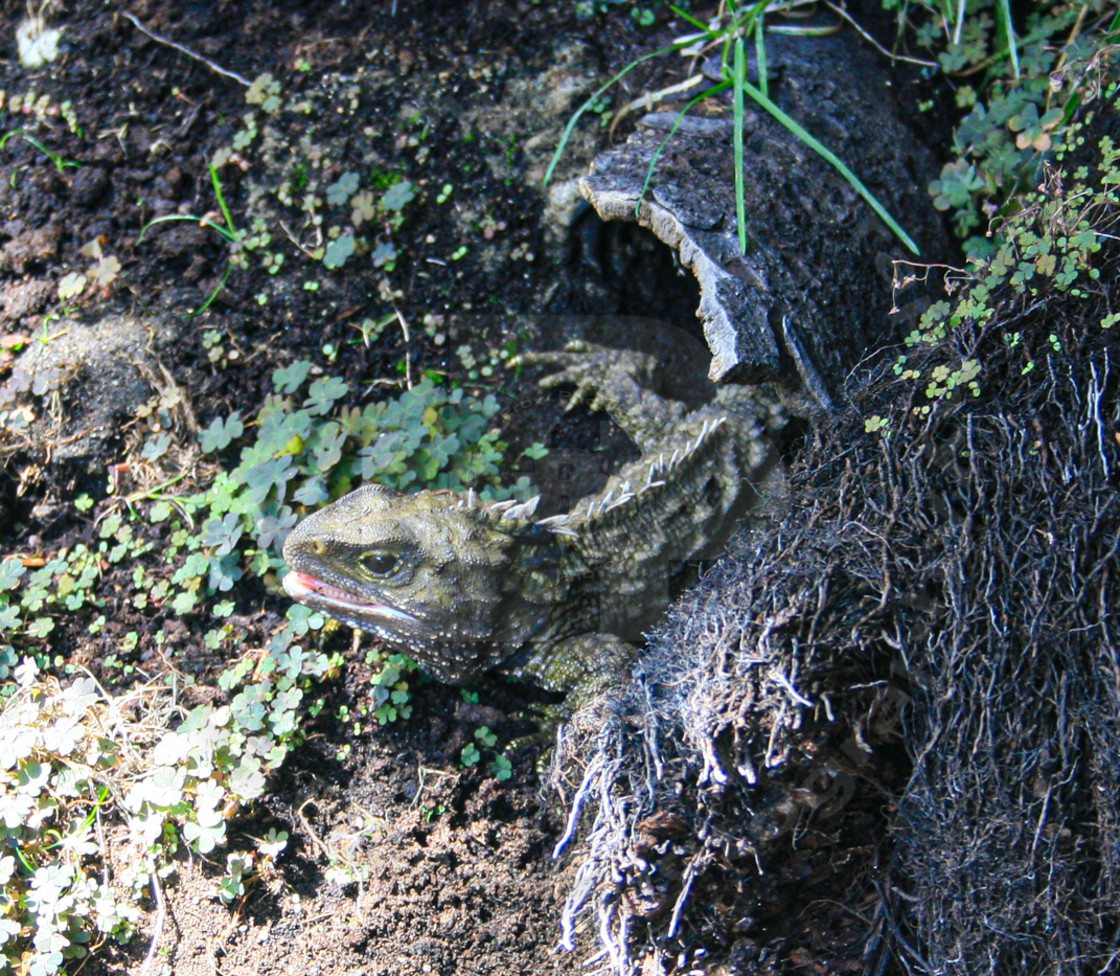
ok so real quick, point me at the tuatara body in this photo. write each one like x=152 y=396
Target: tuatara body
x=464 y=586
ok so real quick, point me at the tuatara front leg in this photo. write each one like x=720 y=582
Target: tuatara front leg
x=583 y=667
x=619 y=382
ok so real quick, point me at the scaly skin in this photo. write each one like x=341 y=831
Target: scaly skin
x=464 y=586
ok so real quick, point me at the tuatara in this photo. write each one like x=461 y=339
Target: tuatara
x=464 y=586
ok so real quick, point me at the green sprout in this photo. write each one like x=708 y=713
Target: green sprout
x=227 y=230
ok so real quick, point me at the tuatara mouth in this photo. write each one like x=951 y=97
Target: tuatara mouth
x=308 y=589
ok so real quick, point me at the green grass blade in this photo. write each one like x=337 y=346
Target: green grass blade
x=821 y=150
x=1003 y=15
x=570 y=127
x=229 y=238
x=692 y=20
x=722 y=86
x=222 y=202
x=738 y=81
x=760 y=57
x=214 y=294
x=59 y=162
x=958 y=23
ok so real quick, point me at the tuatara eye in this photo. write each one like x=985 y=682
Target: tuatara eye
x=379 y=563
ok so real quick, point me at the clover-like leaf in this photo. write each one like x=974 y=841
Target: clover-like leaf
x=106 y=271
x=398 y=195
x=273 y=843
x=155 y=447
x=263 y=86
x=163 y=787
x=224 y=572
x=384 y=255
x=184 y=602
x=249 y=709
x=72 y=285
x=323 y=394
x=40 y=627
x=273 y=529
x=230 y=889
x=1033 y=131
x=11 y=570
x=262 y=479
x=222 y=533
x=339 y=251
x=342 y=189
x=288 y=379
x=502 y=768
x=9 y=928
x=206 y=831
x=247 y=781
x=327 y=446
x=956 y=185
x=221 y=433
x=312 y=492
x=365 y=209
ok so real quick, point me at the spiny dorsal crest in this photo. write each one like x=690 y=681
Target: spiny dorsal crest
x=658 y=471
x=620 y=493
x=510 y=510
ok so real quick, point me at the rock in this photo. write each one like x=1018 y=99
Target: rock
x=78 y=389
x=88 y=185
x=19 y=300
x=809 y=298
x=28 y=247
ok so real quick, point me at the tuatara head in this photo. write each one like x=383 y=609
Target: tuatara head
x=437 y=575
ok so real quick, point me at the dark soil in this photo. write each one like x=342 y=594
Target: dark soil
x=461 y=877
